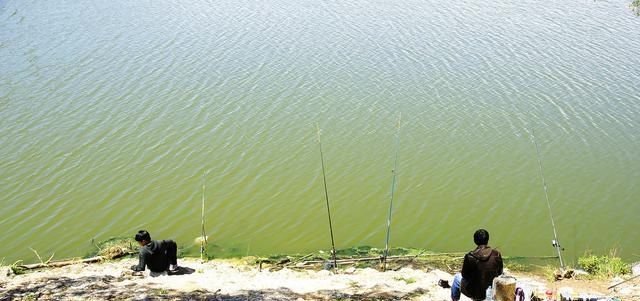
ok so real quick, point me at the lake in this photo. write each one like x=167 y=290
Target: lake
x=111 y=112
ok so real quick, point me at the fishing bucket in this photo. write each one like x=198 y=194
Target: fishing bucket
x=504 y=288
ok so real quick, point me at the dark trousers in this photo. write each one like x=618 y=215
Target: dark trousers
x=172 y=250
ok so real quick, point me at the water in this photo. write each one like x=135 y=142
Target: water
x=110 y=112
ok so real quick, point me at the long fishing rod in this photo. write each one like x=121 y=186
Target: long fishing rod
x=555 y=243
x=393 y=189
x=203 y=234
x=326 y=196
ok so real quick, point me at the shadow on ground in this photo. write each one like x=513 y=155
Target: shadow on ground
x=113 y=288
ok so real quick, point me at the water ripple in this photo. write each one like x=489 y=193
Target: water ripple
x=107 y=122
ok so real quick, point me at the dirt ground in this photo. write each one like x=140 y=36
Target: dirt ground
x=237 y=280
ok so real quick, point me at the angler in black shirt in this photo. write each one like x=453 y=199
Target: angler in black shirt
x=158 y=255
x=479 y=268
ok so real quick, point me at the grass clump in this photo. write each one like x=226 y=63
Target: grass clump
x=115 y=247
x=517 y=267
x=17 y=269
x=604 y=266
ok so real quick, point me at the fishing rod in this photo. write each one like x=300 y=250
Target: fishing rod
x=625 y=281
x=326 y=196
x=393 y=189
x=203 y=234
x=555 y=243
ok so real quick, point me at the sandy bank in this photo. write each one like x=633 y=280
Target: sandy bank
x=234 y=280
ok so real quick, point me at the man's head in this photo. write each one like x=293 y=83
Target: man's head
x=481 y=237
x=143 y=237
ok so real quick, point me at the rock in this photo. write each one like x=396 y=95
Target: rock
x=558 y=274
x=129 y=274
x=7 y=272
x=324 y=273
x=569 y=273
x=580 y=274
x=635 y=269
x=350 y=270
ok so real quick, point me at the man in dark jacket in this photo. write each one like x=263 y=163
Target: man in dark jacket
x=479 y=268
x=158 y=255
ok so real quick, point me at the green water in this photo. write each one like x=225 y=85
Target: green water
x=111 y=111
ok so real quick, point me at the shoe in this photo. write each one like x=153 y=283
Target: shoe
x=174 y=268
x=444 y=283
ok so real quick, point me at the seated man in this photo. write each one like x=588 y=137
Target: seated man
x=479 y=268
x=158 y=255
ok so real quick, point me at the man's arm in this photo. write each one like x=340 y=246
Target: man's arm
x=499 y=262
x=141 y=262
x=467 y=268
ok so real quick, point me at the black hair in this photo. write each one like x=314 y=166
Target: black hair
x=142 y=235
x=481 y=237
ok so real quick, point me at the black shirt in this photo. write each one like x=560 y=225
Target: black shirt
x=478 y=270
x=154 y=255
